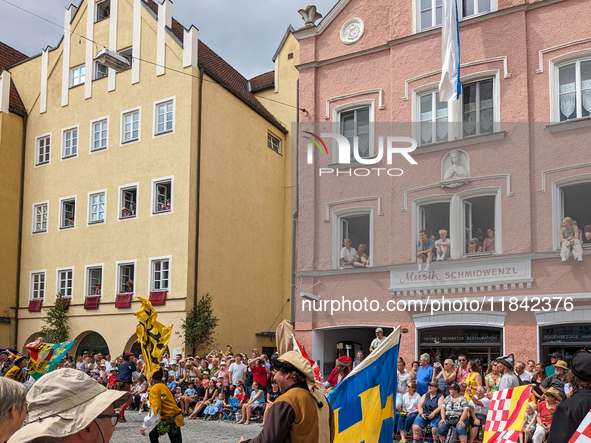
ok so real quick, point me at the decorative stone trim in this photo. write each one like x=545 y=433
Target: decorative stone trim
x=355 y=94
x=492 y=319
x=353 y=200
x=352 y=31
x=556 y=48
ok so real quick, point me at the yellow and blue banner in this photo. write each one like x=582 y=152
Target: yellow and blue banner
x=365 y=401
x=152 y=335
x=44 y=357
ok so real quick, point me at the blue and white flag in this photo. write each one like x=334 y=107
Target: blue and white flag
x=450 y=87
x=365 y=401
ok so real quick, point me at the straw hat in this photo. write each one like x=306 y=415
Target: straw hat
x=554 y=393
x=561 y=364
x=63 y=403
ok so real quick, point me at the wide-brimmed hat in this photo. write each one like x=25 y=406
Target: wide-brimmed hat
x=554 y=393
x=560 y=364
x=507 y=360
x=63 y=403
x=301 y=364
x=18 y=360
x=580 y=366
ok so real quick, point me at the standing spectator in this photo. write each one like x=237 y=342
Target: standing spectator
x=260 y=373
x=553 y=360
x=403 y=378
x=521 y=373
x=531 y=367
x=473 y=380
x=82 y=365
x=378 y=340
x=571 y=412
x=462 y=372
x=414 y=367
x=360 y=357
x=126 y=369
x=509 y=379
x=545 y=414
x=556 y=380
x=13 y=407
x=425 y=247
x=347 y=253
x=108 y=362
x=454 y=411
x=4 y=363
x=492 y=378
x=537 y=379
x=488 y=245
x=569 y=239
x=447 y=376
x=410 y=410
x=429 y=412
x=224 y=378
x=237 y=372
x=16 y=372
x=424 y=374
x=479 y=405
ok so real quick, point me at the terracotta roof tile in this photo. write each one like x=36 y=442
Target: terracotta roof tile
x=217 y=68
x=8 y=57
x=263 y=81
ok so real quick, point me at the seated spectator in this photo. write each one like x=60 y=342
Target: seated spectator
x=442 y=245
x=479 y=405
x=556 y=380
x=546 y=408
x=454 y=412
x=209 y=398
x=587 y=234
x=177 y=394
x=488 y=245
x=140 y=390
x=240 y=393
x=529 y=424
x=125 y=212
x=428 y=412
x=361 y=259
x=272 y=395
x=569 y=239
x=347 y=253
x=213 y=410
x=188 y=398
x=474 y=246
x=425 y=248
x=113 y=378
x=409 y=410
x=256 y=401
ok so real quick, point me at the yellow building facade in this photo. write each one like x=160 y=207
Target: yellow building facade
x=135 y=171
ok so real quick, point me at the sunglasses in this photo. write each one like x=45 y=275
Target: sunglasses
x=114 y=418
x=462 y=359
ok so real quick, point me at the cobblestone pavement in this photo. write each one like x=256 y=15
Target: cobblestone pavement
x=194 y=431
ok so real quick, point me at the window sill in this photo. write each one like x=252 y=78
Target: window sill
x=64 y=228
x=569 y=125
x=92 y=151
x=127 y=142
x=97 y=222
x=158 y=134
x=467 y=141
x=40 y=232
x=164 y=211
x=75 y=86
x=70 y=156
x=128 y=217
x=42 y=163
x=100 y=78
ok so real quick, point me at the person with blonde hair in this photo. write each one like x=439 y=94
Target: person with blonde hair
x=569 y=239
x=442 y=245
x=13 y=407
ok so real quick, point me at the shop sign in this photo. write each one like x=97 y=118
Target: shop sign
x=567 y=334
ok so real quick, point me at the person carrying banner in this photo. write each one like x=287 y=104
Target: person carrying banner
x=301 y=414
x=126 y=369
x=68 y=405
x=164 y=410
x=16 y=371
x=571 y=412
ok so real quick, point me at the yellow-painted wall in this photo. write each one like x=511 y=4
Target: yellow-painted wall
x=11 y=132
x=244 y=253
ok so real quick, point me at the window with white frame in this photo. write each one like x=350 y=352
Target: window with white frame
x=38 y=286
x=355 y=226
x=77 y=75
x=43 y=149
x=475 y=7
x=477 y=108
x=40 y=217
x=574 y=90
x=68 y=213
x=355 y=123
x=65 y=282
x=433 y=119
x=126 y=277
x=571 y=197
x=130 y=126
x=103 y=10
x=162 y=196
x=99 y=135
x=164 y=117
x=160 y=275
x=100 y=70
x=94 y=280
x=274 y=143
x=430 y=14
x=479 y=224
x=433 y=217
x=96 y=209
x=70 y=143
x=128 y=199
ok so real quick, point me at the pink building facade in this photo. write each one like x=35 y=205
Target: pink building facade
x=511 y=156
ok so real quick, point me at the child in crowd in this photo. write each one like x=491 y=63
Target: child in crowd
x=212 y=410
x=529 y=425
x=442 y=245
x=177 y=395
x=239 y=393
x=205 y=381
x=113 y=378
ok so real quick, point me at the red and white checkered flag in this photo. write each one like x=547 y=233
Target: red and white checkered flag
x=506 y=415
x=583 y=432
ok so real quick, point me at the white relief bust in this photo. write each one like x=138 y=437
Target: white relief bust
x=352 y=31
x=454 y=168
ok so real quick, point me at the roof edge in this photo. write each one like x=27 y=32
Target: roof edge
x=290 y=29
